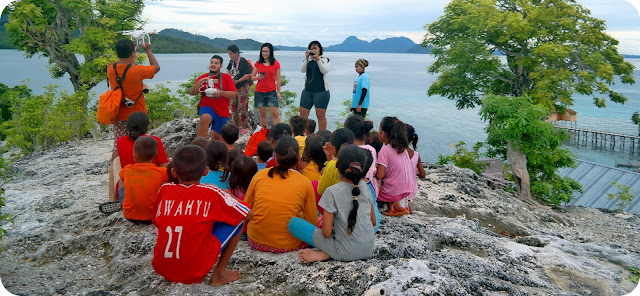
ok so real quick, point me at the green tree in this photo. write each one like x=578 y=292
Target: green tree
x=532 y=147
x=163 y=105
x=636 y=120
x=7 y=95
x=548 y=50
x=545 y=50
x=62 y=30
x=624 y=197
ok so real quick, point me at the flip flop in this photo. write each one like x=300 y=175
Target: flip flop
x=400 y=212
x=110 y=207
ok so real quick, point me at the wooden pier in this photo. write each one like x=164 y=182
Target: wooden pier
x=605 y=140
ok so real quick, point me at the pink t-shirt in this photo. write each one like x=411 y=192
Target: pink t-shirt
x=399 y=177
x=414 y=165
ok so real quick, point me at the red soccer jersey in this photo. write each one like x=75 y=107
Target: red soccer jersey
x=186 y=250
x=125 y=151
x=220 y=104
x=268 y=83
x=271 y=163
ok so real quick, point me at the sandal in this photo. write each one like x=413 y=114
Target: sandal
x=110 y=207
x=400 y=212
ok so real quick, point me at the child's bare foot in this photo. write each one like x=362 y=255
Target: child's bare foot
x=308 y=255
x=225 y=277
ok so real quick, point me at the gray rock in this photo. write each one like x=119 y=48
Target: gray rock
x=464 y=239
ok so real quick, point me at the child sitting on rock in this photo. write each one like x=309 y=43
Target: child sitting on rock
x=277 y=131
x=142 y=180
x=298 y=126
x=264 y=153
x=230 y=134
x=242 y=170
x=311 y=127
x=217 y=162
x=347 y=233
x=416 y=162
x=395 y=171
x=313 y=158
x=196 y=222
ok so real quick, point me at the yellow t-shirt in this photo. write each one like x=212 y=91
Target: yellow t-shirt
x=330 y=176
x=300 y=140
x=274 y=202
x=311 y=171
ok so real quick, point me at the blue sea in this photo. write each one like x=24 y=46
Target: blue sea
x=399 y=84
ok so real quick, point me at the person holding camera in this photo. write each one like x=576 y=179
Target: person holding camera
x=215 y=89
x=132 y=88
x=240 y=69
x=316 y=87
x=267 y=91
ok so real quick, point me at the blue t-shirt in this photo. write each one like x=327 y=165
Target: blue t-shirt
x=358 y=85
x=213 y=177
x=261 y=165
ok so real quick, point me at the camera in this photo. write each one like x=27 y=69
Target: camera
x=129 y=103
x=263 y=74
x=312 y=53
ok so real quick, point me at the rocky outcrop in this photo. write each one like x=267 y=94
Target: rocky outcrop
x=464 y=239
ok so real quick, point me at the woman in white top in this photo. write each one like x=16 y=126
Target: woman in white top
x=316 y=87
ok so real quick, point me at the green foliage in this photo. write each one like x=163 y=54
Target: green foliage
x=517 y=121
x=552 y=48
x=163 y=105
x=62 y=30
x=40 y=121
x=624 y=197
x=168 y=44
x=5 y=175
x=636 y=120
x=464 y=158
x=635 y=275
x=286 y=107
x=7 y=96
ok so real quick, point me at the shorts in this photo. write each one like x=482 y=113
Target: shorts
x=225 y=232
x=319 y=99
x=119 y=130
x=217 y=121
x=265 y=99
x=121 y=194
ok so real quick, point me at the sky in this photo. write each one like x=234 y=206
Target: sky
x=296 y=23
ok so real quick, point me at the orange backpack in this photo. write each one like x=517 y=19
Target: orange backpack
x=110 y=101
x=259 y=135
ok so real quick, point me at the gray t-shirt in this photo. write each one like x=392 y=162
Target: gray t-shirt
x=357 y=245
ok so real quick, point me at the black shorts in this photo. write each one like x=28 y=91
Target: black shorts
x=319 y=99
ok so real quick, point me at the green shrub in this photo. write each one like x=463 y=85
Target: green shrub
x=464 y=158
x=635 y=274
x=5 y=176
x=163 y=105
x=624 y=197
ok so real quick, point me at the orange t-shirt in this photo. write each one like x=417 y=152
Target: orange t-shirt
x=274 y=202
x=132 y=85
x=141 y=184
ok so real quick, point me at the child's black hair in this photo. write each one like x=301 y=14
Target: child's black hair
x=358 y=126
x=146 y=148
x=230 y=133
x=412 y=136
x=298 y=125
x=170 y=177
x=311 y=126
x=340 y=137
x=313 y=151
x=233 y=154
x=264 y=150
x=137 y=125
x=325 y=135
x=190 y=162
x=243 y=168
x=350 y=164
x=368 y=160
x=279 y=130
x=374 y=141
x=286 y=156
x=201 y=141
x=396 y=133
x=218 y=158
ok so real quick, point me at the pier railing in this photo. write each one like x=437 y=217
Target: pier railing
x=602 y=140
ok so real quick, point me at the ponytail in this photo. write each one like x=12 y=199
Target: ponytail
x=286 y=156
x=354 y=173
x=396 y=133
x=350 y=163
x=137 y=125
x=412 y=136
